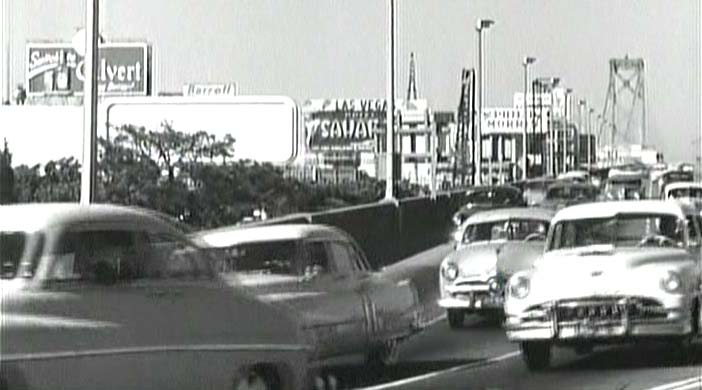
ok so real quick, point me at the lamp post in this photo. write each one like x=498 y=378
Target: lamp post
x=525 y=63
x=568 y=91
x=589 y=137
x=390 y=113
x=581 y=128
x=482 y=24
x=88 y=172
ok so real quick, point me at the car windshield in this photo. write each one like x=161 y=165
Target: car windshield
x=570 y=193
x=513 y=229
x=270 y=257
x=685 y=193
x=624 y=230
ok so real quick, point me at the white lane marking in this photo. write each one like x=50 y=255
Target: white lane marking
x=41 y=321
x=434 y=374
x=695 y=381
x=692 y=386
x=151 y=349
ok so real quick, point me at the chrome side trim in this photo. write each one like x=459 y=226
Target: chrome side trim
x=17 y=357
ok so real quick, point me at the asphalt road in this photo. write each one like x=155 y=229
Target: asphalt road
x=480 y=357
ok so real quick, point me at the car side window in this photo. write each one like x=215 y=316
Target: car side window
x=316 y=259
x=101 y=256
x=343 y=257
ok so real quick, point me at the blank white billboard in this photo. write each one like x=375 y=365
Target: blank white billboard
x=264 y=127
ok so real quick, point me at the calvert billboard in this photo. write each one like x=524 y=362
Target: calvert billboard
x=57 y=69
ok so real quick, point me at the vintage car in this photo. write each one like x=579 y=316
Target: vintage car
x=111 y=297
x=488 y=198
x=568 y=193
x=322 y=274
x=611 y=272
x=492 y=246
x=534 y=189
x=686 y=192
x=626 y=183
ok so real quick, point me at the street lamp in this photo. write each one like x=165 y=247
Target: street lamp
x=525 y=63
x=547 y=84
x=482 y=24
x=581 y=128
x=568 y=91
x=589 y=137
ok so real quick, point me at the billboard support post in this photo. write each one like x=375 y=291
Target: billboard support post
x=88 y=171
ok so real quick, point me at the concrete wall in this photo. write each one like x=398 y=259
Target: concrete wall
x=388 y=231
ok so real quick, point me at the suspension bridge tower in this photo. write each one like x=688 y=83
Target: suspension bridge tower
x=624 y=112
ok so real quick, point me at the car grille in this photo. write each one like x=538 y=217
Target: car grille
x=605 y=311
x=610 y=309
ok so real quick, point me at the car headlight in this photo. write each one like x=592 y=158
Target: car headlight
x=519 y=287
x=494 y=285
x=671 y=282
x=450 y=271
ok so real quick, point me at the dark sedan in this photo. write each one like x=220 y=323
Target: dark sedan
x=488 y=198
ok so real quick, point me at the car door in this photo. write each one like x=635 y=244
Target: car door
x=335 y=309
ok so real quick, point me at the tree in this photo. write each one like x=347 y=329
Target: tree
x=7 y=176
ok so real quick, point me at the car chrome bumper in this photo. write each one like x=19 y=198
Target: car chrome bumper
x=676 y=323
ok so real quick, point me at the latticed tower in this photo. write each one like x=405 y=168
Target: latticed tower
x=625 y=105
x=412 y=83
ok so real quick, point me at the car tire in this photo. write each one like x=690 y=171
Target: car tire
x=455 y=318
x=383 y=355
x=536 y=354
x=257 y=378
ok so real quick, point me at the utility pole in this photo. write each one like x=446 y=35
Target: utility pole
x=481 y=25
x=568 y=91
x=6 y=93
x=525 y=162
x=390 y=113
x=88 y=171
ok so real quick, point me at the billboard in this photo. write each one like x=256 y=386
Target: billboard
x=58 y=69
x=343 y=124
x=264 y=127
x=353 y=124
x=222 y=89
x=509 y=121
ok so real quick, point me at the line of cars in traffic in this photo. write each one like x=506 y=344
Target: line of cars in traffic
x=577 y=270
x=104 y=296
x=113 y=297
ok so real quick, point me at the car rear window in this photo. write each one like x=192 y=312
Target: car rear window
x=12 y=247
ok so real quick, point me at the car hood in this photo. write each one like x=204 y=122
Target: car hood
x=573 y=274
x=476 y=259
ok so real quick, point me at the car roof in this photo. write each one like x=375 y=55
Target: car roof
x=510 y=213
x=503 y=187
x=235 y=235
x=563 y=184
x=37 y=216
x=682 y=184
x=612 y=208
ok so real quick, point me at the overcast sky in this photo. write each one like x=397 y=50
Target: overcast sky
x=336 y=48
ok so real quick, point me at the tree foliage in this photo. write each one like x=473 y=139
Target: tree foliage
x=193 y=176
